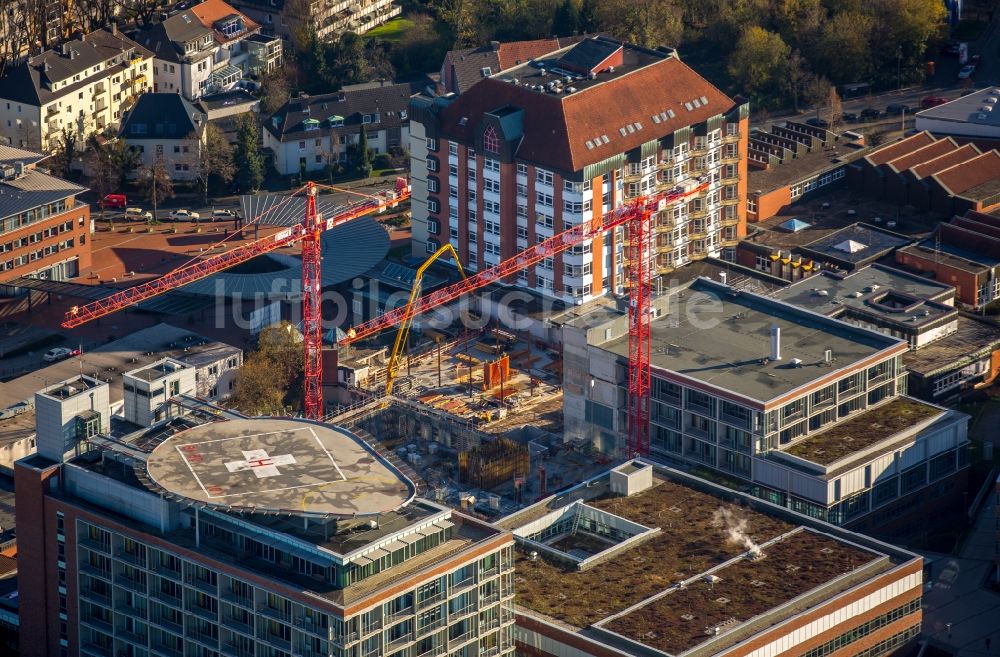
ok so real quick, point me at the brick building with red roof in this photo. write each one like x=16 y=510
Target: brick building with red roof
x=532 y=150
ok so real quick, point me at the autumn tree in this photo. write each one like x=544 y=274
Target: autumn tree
x=649 y=23
x=274 y=91
x=758 y=63
x=834 y=111
x=843 y=49
x=270 y=378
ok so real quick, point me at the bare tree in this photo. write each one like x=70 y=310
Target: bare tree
x=212 y=161
x=154 y=179
x=834 y=109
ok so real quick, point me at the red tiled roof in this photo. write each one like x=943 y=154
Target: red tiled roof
x=971 y=173
x=945 y=161
x=900 y=148
x=557 y=127
x=519 y=52
x=210 y=11
x=922 y=155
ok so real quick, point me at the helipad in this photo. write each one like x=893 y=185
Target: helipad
x=278 y=465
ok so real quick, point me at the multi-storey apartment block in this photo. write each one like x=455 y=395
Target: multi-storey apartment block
x=645 y=560
x=44 y=230
x=84 y=87
x=804 y=410
x=261 y=537
x=535 y=149
x=289 y=18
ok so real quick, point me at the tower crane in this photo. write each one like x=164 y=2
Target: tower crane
x=307 y=234
x=636 y=215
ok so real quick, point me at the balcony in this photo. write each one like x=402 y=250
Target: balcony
x=430 y=627
x=486 y=573
x=202 y=585
x=96 y=623
x=462 y=638
x=731 y=201
x=161 y=650
x=439 y=649
x=489 y=598
x=489 y=652
x=166 y=598
x=344 y=640
x=131 y=583
x=440 y=596
x=234 y=650
x=232 y=623
x=731 y=159
x=399 y=641
x=168 y=624
x=95 y=571
x=276 y=641
x=232 y=597
x=464 y=611
x=397 y=616
x=464 y=585
x=491 y=624
x=731 y=139
x=94 y=596
x=201 y=612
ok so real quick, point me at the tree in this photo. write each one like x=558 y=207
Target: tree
x=213 y=161
x=249 y=161
x=155 y=182
x=64 y=154
x=589 y=21
x=107 y=164
x=566 y=20
x=648 y=23
x=359 y=156
x=834 y=109
x=796 y=77
x=275 y=92
x=843 y=49
x=759 y=63
x=271 y=375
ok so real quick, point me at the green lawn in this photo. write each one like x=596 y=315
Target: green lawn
x=391 y=31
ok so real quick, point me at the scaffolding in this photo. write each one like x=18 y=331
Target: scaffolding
x=493 y=464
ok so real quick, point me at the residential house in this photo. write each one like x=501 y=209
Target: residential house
x=310 y=132
x=85 y=86
x=203 y=50
x=166 y=125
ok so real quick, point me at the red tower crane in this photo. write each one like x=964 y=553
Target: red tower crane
x=307 y=233
x=637 y=217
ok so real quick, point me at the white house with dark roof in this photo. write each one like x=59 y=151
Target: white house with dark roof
x=313 y=131
x=85 y=86
x=166 y=125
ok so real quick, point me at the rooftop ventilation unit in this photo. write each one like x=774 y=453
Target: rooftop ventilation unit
x=796 y=362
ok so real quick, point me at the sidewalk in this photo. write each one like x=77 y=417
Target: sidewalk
x=957 y=595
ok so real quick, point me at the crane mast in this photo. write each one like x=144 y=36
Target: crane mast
x=312 y=309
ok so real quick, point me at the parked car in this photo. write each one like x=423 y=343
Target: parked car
x=950 y=48
x=932 y=101
x=818 y=123
x=138 y=214
x=59 y=353
x=849 y=117
x=897 y=109
x=223 y=214
x=184 y=215
x=870 y=114
x=966 y=72
x=114 y=201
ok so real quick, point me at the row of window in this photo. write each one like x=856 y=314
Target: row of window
x=873 y=625
x=38 y=254
x=34 y=215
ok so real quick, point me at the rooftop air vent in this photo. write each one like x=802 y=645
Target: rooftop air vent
x=991 y=99
x=796 y=362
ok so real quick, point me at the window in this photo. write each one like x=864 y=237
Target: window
x=453 y=149
x=432 y=164
x=543 y=199
x=491 y=206
x=432 y=205
x=433 y=245
x=433 y=227
x=432 y=185
x=490 y=164
x=522 y=169
x=543 y=177
x=491 y=185
x=491 y=142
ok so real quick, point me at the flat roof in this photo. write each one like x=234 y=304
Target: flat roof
x=293 y=466
x=70 y=388
x=635 y=593
x=968 y=109
x=719 y=336
x=972 y=341
x=799 y=563
x=157 y=370
x=831 y=293
x=109 y=361
x=863 y=430
x=857 y=243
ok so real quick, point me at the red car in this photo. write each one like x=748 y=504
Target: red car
x=932 y=101
x=118 y=201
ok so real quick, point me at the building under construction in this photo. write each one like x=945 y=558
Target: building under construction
x=494 y=463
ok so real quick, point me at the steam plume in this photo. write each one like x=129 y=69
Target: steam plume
x=735 y=529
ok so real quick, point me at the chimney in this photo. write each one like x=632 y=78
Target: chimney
x=775 y=342
x=114 y=27
x=495 y=45
x=722 y=277
x=65 y=48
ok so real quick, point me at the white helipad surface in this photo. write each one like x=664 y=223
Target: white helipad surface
x=278 y=464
